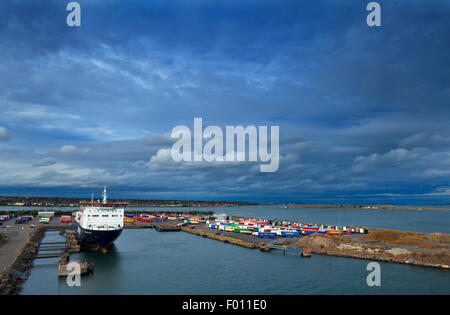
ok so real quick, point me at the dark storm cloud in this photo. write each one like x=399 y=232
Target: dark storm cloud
x=363 y=112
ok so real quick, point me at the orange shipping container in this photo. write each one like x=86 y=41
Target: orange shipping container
x=334 y=232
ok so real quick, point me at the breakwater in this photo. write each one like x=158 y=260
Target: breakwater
x=222 y=238
x=12 y=276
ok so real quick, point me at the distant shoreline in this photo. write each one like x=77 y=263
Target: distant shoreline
x=9 y=201
x=45 y=202
x=365 y=207
x=280 y=206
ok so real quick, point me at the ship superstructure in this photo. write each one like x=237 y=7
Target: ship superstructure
x=99 y=223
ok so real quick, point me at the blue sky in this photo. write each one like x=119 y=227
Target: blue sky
x=363 y=112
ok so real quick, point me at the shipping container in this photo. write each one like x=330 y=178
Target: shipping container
x=45 y=220
x=335 y=232
x=46 y=213
x=289 y=233
x=263 y=234
x=310 y=228
x=65 y=219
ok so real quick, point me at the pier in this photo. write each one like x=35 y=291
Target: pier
x=161 y=227
x=303 y=252
x=23 y=243
x=64 y=269
x=250 y=243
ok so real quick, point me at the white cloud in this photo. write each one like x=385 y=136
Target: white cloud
x=4 y=135
x=44 y=162
x=438 y=139
x=162 y=161
x=363 y=163
x=433 y=173
x=442 y=191
x=20 y=112
x=70 y=149
x=413 y=140
x=424 y=139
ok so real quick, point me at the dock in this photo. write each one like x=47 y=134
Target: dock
x=220 y=237
x=64 y=270
x=161 y=227
x=303 y=252
x=70 y=246
x=22 y=243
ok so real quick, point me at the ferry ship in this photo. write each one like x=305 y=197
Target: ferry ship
x=99 y=224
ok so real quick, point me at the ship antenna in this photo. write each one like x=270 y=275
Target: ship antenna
x=104 y=194
x=92 y=198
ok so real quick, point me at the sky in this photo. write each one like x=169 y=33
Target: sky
x=363 y=112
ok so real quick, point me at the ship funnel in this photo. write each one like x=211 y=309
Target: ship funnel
x=104 y=194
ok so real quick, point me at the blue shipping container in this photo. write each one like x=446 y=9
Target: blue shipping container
x=266 y=234
x=289 y=233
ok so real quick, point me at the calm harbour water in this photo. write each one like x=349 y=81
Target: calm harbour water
x=148 y=262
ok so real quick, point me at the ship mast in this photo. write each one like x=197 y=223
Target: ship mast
x=104 y=194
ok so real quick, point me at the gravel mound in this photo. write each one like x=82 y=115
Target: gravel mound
x=317 y=241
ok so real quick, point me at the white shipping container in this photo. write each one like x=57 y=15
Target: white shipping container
x=46 y=213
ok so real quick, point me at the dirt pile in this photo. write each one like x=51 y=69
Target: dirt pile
x=421 y=240
x=321 y=241
x=432 y=250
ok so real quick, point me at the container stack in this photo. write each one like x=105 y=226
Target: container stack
x=4 y=217
x=193 y=219
x=23 y=219
x=45 y=219
x=45 y=216
x=268 y=228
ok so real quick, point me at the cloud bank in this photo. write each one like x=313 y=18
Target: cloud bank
x=363 y=112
